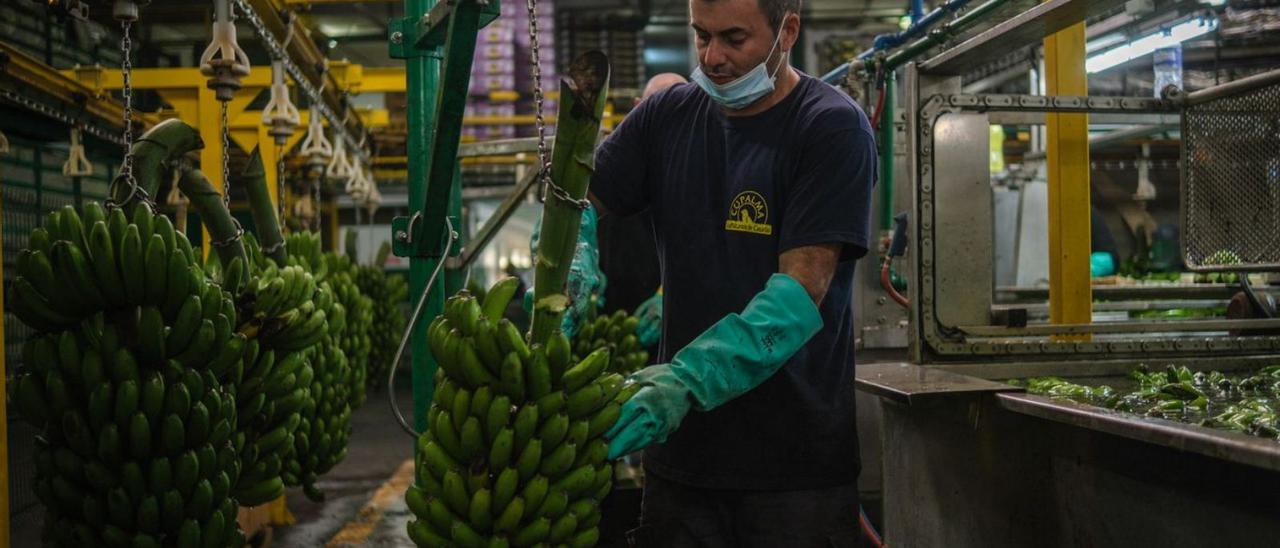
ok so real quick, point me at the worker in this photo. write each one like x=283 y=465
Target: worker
x=629 y=257
x=759 y=181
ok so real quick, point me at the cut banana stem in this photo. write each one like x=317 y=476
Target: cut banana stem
x=158 y=148
x=572 y=163
x=264 y=213
x=207 y=201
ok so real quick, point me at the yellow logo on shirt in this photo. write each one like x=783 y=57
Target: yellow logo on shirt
x=748 y=212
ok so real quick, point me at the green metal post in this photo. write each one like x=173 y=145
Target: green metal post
x=422 y=71
x=886 y=153
x=437 y=50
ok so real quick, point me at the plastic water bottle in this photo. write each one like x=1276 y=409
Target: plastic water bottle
x=1167 y=63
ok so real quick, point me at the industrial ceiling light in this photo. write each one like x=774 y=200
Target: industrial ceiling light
x=1162 y=38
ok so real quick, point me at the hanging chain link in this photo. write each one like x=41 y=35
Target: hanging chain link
x=535 y=62
x=226 y=156
x=226 y=180
x=126 y=167
x=126 y=72
x=547 y=186
x=280 y=184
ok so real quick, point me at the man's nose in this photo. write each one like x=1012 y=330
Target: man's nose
x=713 y=56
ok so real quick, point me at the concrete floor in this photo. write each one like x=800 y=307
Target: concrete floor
x=377 y=449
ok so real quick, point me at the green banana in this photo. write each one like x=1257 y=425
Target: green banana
x=498 y=297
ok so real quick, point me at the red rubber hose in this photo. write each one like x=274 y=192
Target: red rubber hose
x=888 y=286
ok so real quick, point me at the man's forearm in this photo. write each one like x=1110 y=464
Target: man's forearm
x=813 y=266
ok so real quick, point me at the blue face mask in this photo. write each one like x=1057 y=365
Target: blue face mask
x=747 y=89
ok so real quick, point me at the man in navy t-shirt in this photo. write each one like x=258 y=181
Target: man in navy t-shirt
x=758 y=179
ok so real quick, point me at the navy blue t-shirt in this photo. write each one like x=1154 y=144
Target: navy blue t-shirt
x=727 y=196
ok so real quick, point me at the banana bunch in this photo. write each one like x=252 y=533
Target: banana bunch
x=324 y=428
x=271 y=393
x=305 y=250
x=321 y=439
x=617 y=332
x=124 y=382
x=283 y=314
x=387 y=293
x=514 y=453
x=355 y=339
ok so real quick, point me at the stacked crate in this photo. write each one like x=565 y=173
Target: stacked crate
x=493 y=70
x=546 y=20
x=502 y=76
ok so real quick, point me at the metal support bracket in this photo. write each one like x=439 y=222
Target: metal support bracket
x=459 y=23
x=416 y=37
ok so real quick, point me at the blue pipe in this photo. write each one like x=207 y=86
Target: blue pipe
x=917 y=11
x=889 y=41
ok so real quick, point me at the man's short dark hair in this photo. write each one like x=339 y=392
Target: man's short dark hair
x=775 y=10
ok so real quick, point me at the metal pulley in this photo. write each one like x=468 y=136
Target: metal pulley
x=127 y=10
x=223 y=61
x=280 y=113
x=316 y=148
x=358 y=185
x=340 y=167
x=77 y=164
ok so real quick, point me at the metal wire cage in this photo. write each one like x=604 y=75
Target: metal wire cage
x=1231 y=181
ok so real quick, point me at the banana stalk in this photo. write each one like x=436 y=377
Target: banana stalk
x=264 y=213
x=161 y=145
x=572 y=162
x=217 y=218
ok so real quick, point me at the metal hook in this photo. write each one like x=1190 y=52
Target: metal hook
x=223 y=61
x=316 y=144
x=340 y=167
x=77 y=164
x=280 y=113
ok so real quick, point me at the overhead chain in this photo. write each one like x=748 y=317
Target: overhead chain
x=57 y=115
x=278 y=50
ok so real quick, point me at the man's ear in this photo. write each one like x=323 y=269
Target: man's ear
x=791 y=31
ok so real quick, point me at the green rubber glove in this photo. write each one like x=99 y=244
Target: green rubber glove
x=735 y=355
x=649 y=330
x=585 y=276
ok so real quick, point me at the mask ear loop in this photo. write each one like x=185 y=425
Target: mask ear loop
x=786 y=54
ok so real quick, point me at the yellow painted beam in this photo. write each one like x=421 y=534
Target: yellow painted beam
x=383 y=80
x=1067 y=144
x=101 y=78
x=32 y=73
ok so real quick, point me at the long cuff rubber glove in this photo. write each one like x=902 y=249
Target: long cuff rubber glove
x=649 y=330
x=585 y=276
x=735 y=355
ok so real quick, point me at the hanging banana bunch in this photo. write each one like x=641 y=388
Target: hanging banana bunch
x=514 y=449
x=514 y=452
x=355 y=341
x=617 y=332
x=124 y=375
x=282 y=313
x=387 y=293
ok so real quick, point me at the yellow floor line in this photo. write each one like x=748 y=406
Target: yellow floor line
x=358 y=529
